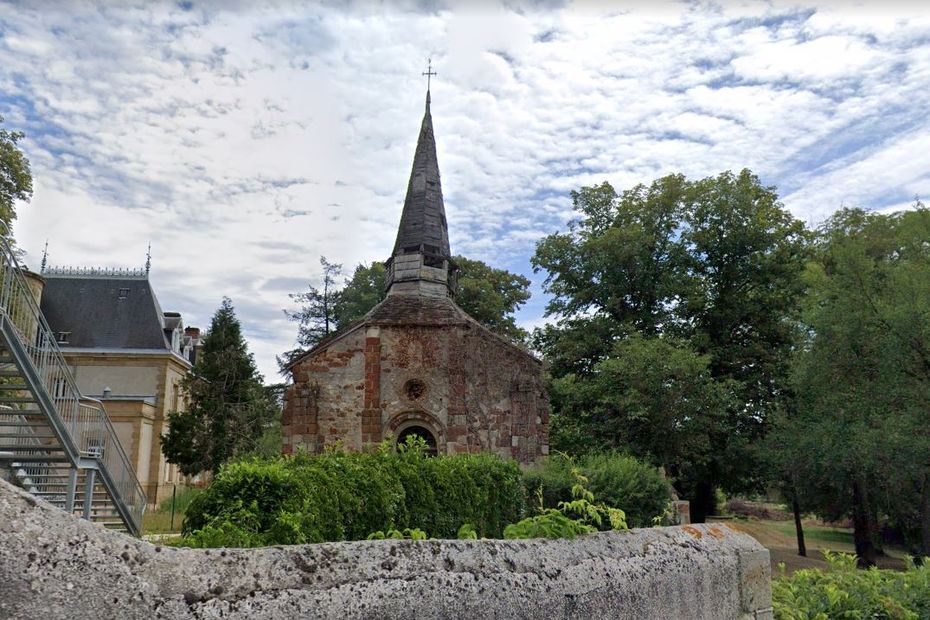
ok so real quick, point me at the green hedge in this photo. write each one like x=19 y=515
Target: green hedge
x=842 y=591
x=615 y=479
x=338 y=496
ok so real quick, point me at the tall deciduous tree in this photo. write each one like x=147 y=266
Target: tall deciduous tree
x=491 y=296
x=715 y=265
x=15 y=177
x=361 y=293
x=228 y=409
x=856 y=443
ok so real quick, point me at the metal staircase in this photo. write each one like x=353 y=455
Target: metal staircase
x=54 y=442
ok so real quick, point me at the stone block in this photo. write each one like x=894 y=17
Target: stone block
x=755 y=582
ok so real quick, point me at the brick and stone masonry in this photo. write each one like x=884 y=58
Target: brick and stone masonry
x=441 y=372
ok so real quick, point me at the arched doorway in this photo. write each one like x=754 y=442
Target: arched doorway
x=423 y=433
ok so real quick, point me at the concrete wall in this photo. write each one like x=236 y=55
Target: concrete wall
x=55 y=566
x=481 y=393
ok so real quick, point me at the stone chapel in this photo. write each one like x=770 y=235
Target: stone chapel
x=417 y=364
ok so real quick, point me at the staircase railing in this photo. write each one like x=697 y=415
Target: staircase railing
x=81 y=423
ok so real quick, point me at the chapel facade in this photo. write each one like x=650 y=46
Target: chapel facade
x=417 y=364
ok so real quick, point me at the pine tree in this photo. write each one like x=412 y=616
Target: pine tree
x=316 y=316
x=228 y=409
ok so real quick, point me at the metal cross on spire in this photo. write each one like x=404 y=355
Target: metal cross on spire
x=148 y=259
x=429 y=72
x=44 y=258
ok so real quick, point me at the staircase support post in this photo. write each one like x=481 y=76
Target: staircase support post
x=72 y=488
x=88 y=491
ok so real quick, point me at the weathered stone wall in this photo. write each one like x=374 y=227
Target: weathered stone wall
x=325 y=402
x=55 y=566
x=479 y=392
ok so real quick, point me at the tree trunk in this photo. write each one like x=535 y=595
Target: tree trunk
x=704 y=502
x=865 y=526
x=798 y=528
x=925 y=519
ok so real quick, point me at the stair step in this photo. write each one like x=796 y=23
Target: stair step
x=30 y=458
x=10 y=372
x=21 y=424
x=19 y=387
x=17 y=399
x=48 y=478
x=36 y=448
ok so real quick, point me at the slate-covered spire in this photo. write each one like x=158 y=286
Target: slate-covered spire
x=421 y=262
x=423 y=226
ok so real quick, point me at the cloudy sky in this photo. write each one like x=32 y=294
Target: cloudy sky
x=244 y=143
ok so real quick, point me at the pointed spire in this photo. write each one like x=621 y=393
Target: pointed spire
x=423 y=221
x=44 y=258
x=148 y=259
x=421 y=262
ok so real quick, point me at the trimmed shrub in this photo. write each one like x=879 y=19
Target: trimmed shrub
x=615 y=479
x=338 y=496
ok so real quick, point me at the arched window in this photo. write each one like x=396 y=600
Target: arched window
x=419 y=431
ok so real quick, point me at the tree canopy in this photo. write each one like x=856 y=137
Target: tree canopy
x=684 y=281
x=15 y=176
x=228 y=409
x=855 y=443
x=491 y=296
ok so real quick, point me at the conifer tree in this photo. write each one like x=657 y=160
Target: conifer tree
x=228 y=409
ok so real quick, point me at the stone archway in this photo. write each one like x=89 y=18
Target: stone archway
x=421 y=424
x=418 y=431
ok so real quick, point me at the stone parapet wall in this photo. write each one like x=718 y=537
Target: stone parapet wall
x=55 y=566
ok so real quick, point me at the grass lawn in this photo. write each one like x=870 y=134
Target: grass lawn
x=779 y=538
x=159 y=521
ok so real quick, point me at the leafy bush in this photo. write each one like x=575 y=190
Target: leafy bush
x=339 y=496
x=558 y=522
x=407 y=534
x=550 y=524
x=616 y=480
x=842 y=591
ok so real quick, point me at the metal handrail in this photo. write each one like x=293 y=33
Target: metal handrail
x=89 y=433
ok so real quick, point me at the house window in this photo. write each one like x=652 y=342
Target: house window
x=63 y=337
x=123 y=293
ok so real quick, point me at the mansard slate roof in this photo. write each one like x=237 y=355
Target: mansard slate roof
x=423 y=222
x=104 y=312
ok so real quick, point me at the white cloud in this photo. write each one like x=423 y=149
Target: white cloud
x=245 y=142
